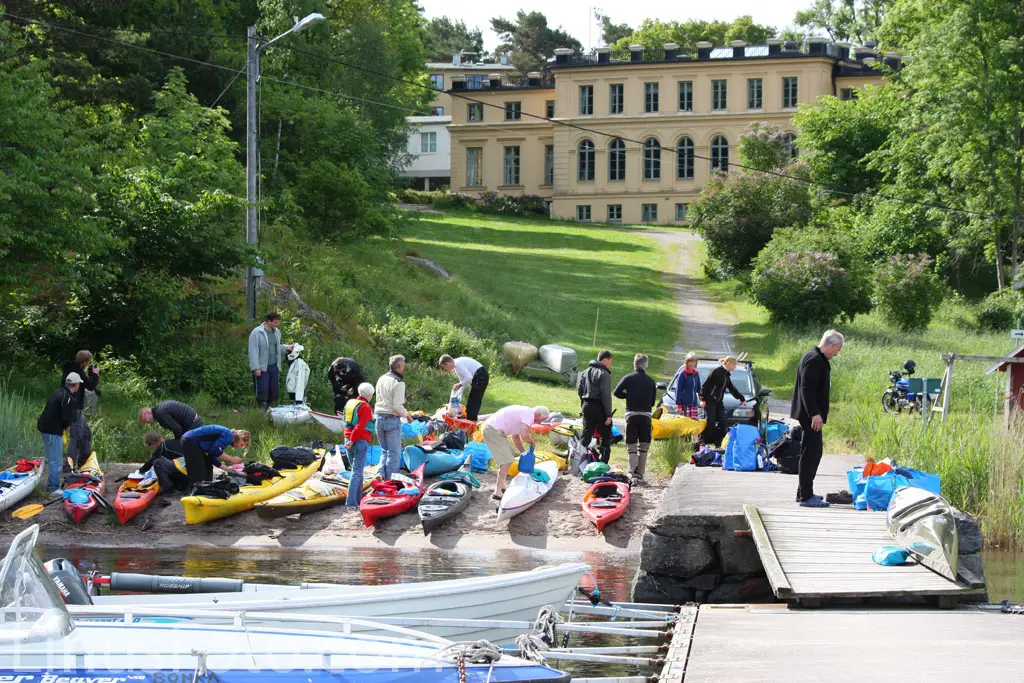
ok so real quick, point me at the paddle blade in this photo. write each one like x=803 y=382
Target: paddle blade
x=27 y=511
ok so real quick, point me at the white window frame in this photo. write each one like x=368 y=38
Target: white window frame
x=475 y=107
x=685 y=156
x=616 y=98
x=549 y=164
x=755 y=94
x=720 y=94
x=474 y=168
x=434 y=81
x=716 y=154
x=648 y=213
x=619 y=153
x=582 y=209
x=586 y=100
x=651 y=97
x=652 y=159
x=586 y=161
x=428 y=143
x=790 y=92
x=618 y=209
x=681 y=210
x=685 y=92
x=512 y=166
x=514 y=110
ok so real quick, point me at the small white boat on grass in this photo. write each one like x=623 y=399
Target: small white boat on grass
x=517 y=596
x=16 y=486
x=335 y=423
x=40 y=642
x=524 y=491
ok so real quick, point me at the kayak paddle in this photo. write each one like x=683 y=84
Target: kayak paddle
x=30 y=511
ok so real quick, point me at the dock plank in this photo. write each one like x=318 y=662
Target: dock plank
x=679 y=648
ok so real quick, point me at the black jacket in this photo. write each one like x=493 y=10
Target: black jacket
x=345 y=377
x=810 y=392
x=595 y=386
x=89 y=381
x=176 y=417
x=718 y=382
x=60 y=411
x=169 y=448
x=639 y=390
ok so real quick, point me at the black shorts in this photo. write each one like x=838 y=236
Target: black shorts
x=638 y=429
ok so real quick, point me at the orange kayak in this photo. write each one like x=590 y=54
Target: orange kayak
x=605 y=502
x=465 y=425
x=132 y=499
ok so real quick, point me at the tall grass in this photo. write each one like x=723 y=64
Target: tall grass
x=18 y=436
x=667 y=454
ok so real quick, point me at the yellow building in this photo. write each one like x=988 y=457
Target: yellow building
x=634 y=141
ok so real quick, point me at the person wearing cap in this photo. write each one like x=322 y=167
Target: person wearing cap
x=298 y=375
x=712 y=393
x=471 y=374
x=511 y=422
x=174 y=416
x=59 y=414
x=79 y=433
x=359 y=429
x=264 y=359
x=345 y=376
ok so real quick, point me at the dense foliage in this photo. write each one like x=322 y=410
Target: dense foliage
x=654 y=33
x=907 y=291
x=446 y=38
x=528 y=40
x=811 y=276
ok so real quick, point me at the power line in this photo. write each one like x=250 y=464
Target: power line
x=823 y=186
x=190 y=34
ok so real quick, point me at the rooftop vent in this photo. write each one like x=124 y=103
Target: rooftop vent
x=562 y=55
x=636 y=53
x=533 y=78
x=739 y=48
x=671 y=51
x=817 y=46
x=493 y=81
x=789 y=46
x=458 y=82
x=842 y=50
x=892 y=60
x=604 y=55
x=774 y=45
x=704 y=50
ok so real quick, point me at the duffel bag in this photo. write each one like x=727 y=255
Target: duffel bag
x=291 y=457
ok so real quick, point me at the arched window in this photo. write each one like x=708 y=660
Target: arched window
x=720 y=154
x=585 y=160
x=684 y=159
x=789 y=145
x=652 y=159
x=617 y=160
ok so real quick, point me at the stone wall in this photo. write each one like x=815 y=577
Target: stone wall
x=691 y=552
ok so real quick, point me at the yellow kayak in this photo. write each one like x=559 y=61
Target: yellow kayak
x=675 y=426
x=315 y=494
x=541 y=456
x=199 y=509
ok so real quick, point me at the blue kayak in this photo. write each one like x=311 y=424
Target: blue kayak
x=435 y=463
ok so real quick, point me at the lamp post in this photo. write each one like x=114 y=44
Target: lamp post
x=256 y=46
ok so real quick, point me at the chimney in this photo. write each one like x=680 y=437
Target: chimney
x=604 y=55
x=533 y=78
x=842 y=51
x=704 y=50
x=458 y=82
x=817 y=46
x=503 y=60
x=892 y=60
x=773 y=46
x=636 y=53
x=789 y=46
x=864 y=52
x=493 y=81
x=562 y=55
x=739 y=49
x=671 y=51
x=457 y=59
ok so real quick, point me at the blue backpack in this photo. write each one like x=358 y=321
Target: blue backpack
x=741 y=453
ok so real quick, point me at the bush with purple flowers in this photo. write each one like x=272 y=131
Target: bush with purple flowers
x=810 y=276
x=907 y=291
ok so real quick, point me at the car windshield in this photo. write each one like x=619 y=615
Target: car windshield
x=741 y=378
x=31 y=609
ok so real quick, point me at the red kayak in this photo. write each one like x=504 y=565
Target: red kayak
x=460 y=423
x=605 y=502
x=384 y=499
x=133 y=497
x=81 y=489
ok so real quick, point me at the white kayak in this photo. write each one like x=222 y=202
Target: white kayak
x=296 y=414
x=336 y=423
x=41 y=642
x=17 y=486
x=524 y=491
x=517 y=596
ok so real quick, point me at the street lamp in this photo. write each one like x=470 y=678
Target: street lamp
x=256 y=46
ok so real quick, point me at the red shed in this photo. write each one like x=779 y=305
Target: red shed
x=1014 y=383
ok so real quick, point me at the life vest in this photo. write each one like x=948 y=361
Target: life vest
x=180 y=464
x=352 y=415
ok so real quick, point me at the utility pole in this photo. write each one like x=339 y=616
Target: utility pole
x=251 y=166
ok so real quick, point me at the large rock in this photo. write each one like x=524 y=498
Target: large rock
x=968 y=533
x=679 y=557
x=738 y=555
x=678 y=515
x=750 y=590
x=664 y=590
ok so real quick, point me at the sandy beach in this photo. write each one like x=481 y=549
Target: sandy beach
x=555 y=523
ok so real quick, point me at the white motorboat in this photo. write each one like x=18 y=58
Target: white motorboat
x=41 y=643
x=517 y=596
x=524 y=491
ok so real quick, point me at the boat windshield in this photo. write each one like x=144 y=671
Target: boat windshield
x=31 y=609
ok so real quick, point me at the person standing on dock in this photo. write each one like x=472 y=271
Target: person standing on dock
x=640 y=393
x=389 y=409
x=810 y=409
x=595 y=391
x=472 y=375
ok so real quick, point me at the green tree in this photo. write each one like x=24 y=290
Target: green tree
x=529 y=41
x=849 y=20
x=445 y=38
x=653 y=34
x=763 y=146
x=960 y=140
x=610 y=31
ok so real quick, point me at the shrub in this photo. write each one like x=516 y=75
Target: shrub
x=907 y=291
x=17 y=426
x=409 y=196
x=810 y=276
x=453 y=200
x=427 y=339
x=509 y=205
x=1000 y=311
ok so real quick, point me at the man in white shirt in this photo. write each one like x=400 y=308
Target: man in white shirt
x=472 y=375
x=511 y=422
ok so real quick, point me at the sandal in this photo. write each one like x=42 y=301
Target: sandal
x=495 y=496
x=814 y=502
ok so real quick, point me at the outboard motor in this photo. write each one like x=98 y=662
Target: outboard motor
x=68 y=581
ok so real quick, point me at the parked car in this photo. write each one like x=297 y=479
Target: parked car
x=746 y=382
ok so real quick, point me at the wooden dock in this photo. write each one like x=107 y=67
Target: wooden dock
x=755 y=643
x=813 y=554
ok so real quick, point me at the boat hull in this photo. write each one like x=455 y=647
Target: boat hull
x=335 y=423
x=313 y=496
x=377 y=507
x=540 y=456
x=436 y=509
x=514 y=596
x=127 y=506
x=596 y=502
x=923 y=523
x=79 y=511
x=201 y=509
x=20 y=488
x=434 y=464
x=675 y=426
x=523 y=491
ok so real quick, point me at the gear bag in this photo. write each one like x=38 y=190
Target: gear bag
x=291 y=457
x=256 y=473
x=222 y=488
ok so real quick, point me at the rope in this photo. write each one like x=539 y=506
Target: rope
x=532 y=646
x=474 y=652
x=544 y=625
